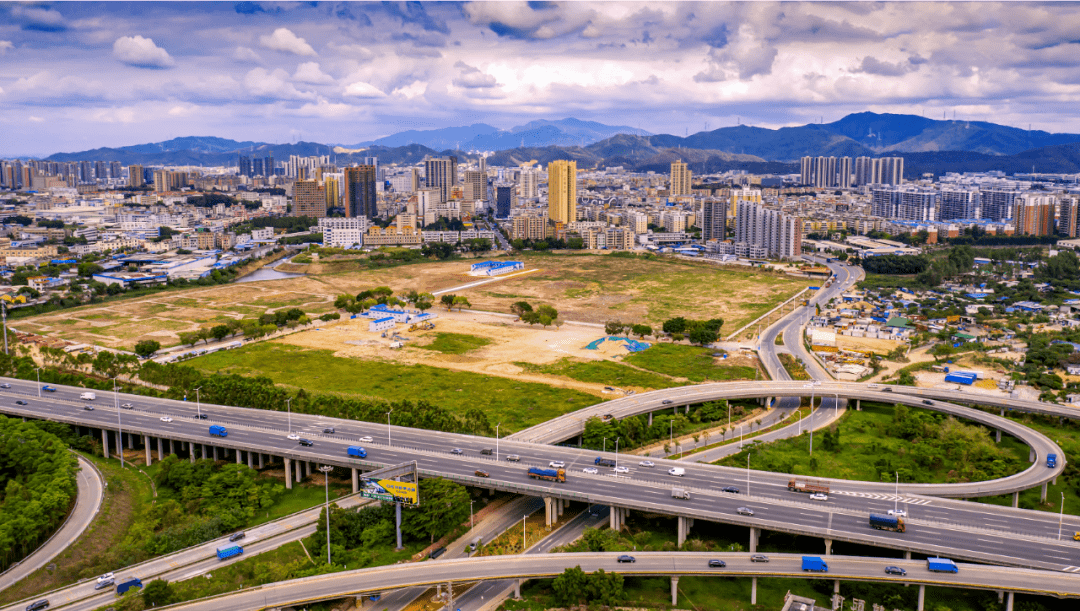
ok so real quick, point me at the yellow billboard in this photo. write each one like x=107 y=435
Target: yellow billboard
x=391 y=491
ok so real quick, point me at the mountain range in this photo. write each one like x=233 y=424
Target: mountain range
x=928 y=145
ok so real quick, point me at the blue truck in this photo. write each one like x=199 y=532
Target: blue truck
x=218 y=431
x=941 y=565
x=1051 y=460
x=224 y=553
x=357 y=451
x=814 y=563
x=883 y=522
x=121 y=588
x=604 y=462
x=551 y=475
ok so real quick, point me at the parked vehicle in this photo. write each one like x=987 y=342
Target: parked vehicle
x=815 y=564
x=717 y=564
x=224 y=553
x=604 y=462
x=808 y=485
x=356 y=451
x=626 y=558
x=122 y=588
x=87 y=396
x=677 y=471
x=513 y=458
x=551 y=475
x=679 y=493
x=895 y=570
x=1051 y=460
x=893 y=523
x=941 y=565
x=218 y=431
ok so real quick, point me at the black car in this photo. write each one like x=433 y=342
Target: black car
x=88 y=408
x=717 y=564
x=329 y=430
x=895 y=570
x=667 y=402
x=200 y=416
x=626 y=558
x=886 y=389
x=307 y=442
x=927 y=402
x=21 y=402
x=731 y=489
x=457 y=451
x=436 y=553
x=41 y=604
x=236 y=537
x=487 y=451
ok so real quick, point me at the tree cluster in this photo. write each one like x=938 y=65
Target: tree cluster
x=699 y=332
x=575 y=587
x=543 y=314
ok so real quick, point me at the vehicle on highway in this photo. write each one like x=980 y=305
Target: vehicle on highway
x=895 y=570
x=356 y=451
x=871 y=385
x=815 y=564
x=745 y=511
x=21 y=402
x=435 y=553
x=679 y=493
x=127 y=406
x=893 y=523
x=38 y=606
x=677 y=471
x=123 y=587
x=608 y=417
x=551 y=475
x=1051 y=460
x=101 y=585
x=818 y=496
x=487 y=452
x=619 y=470
x=941 y=565
x=646 y=463
x=87 y=396
x=236 y=537
x=328 y=430
x=556 y=464
x=201 y=416
x=759 y=558
x=224 y=553
x=294 y=436
x=667 y=402
x=366 y=439
x=457 y=451
x=927 y=402
x=886 y=389
x=165 y=419
x=88 y=408
x=731 y=489
x=480 y=473
x=590 y=470
x=604 y=462
x=307 y=443
x=902 y=513
x=5 y=385
x=48 y=389
x=717 y=564
x=626 y=558
x=513 y=458
x=808 y=485
x=106 y=577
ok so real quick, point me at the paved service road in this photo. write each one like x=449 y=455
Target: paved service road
x=91 y=490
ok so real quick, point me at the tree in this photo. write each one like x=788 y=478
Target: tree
x=605 y=588
x=570 y=587
x=460 y=301
x=702 y=336
x=189 y=338
x=520 y=307
x=546 y=310
x=613 y=327
x=675 y=325
x=641 y=330
x=147 y=347
x=443 y=505
x=158 y=593
x=448 y=301
x=219 y=332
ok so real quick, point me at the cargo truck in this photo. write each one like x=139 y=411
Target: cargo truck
x=679 y=493
x=941 y=565
x=604 y=462
x=814 y=563
x=551 y=475
x=357 y=451
x=218 y=431
x=122 y=588
x=881 y=522
x=1051 y=460
x=224 y=553
x=808 y=485
x=88 y=396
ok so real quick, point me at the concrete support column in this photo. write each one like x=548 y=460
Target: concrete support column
x=682 y=531
x=160 y=452
x=261 y=457
x=858 y=405
x=191 y=451
x=613 y=518
x=288 y=473
x=131 y=441
x=217 y=453
x=105 y=442
x=1001 y=596
x=836 y=586
x=922 y=597
x=828 y=546
x=548 y=511
x=355 y=480
x=1016 y=499
x=753 y=590
x=146 y=444
x=239 y=457
x=517 y=589
x=250 y=461
x=674 y=590
x=1043 y=494
x=650 y=418
x=753 y=539
x=1009 y=602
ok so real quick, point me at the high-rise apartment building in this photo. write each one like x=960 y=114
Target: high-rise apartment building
x=825 y=172
x=1068 y=217
x=905 y=203
x=713 y=219
x=879 y=171
x=779 y=234
x=309 y=199
x=746 y=194
x=680 y=179
x=505 y=199
x=441 y=173
x=998 y=203
x=475 y=186
x=135 y=176
x=243 y=166
x=1033 y=214
x=358 y=191
x=960 y=203
x=562 y=191
x=529 y=227
x=529 y=183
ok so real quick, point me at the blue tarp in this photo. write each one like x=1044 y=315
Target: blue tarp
x=631 y=345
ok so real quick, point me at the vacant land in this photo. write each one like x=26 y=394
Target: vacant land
x=603 y=372
x=694 y=363
x=456 y=343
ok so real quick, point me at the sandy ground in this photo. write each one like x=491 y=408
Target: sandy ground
x=867 y=344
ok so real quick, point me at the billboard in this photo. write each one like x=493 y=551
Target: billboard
x=391 y=491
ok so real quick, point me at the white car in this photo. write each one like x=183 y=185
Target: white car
x=127 y=406
x=366 y=439
x=166 y=419
x=819 y=496
x=646 y=463
x=900 y=513
x=590 y=470
x=294 y=436
x=556 y=464
x=619 y=470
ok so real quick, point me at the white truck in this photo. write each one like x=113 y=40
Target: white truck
x=88 y=396
x=679 y=493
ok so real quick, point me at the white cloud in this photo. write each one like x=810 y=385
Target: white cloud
x=325 y=110
x=309 y=72
x=45 y=84
x=141 y=53
x=5 y=45
x=34 y=119
x=361 y=89
x=263 y=83
x=473 y=78
x=246 y=54
x=285 y=41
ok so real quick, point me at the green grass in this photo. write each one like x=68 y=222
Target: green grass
x=794 y=367
x=456 y=343
x=867 y=452
x=692 y=362
x=517 y=405
x=601 y=372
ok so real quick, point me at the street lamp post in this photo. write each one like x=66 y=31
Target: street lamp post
x=288 y=412
x=605 y=444
x=471 y=525
x=896 y=496
x=388 y=426
x=748 y=473
x=811 y=423
x=326 y=469
x=617 y=453
x=497 y=441
x=198 y=402
x=1061 y=517
x=523 y=534
x=37 y=370
x=119 y=429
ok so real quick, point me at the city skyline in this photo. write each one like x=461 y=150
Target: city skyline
x=75 y=76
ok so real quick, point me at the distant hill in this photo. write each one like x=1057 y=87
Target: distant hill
x=484 y=137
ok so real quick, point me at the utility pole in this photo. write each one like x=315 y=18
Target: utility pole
x=3 y=308
x=326 y=469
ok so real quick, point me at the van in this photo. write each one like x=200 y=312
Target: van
x=475 y=544
x=357 y=451
x=87 y=396
x=678 y=471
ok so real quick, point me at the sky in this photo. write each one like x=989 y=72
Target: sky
x=82 y=75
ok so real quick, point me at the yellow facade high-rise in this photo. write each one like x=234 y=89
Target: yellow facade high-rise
x=680 y=179
x=562 y=191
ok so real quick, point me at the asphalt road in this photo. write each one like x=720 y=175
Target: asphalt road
x=91 y=491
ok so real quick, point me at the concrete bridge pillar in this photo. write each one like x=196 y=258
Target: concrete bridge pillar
x=684 y=529
x=131 y=441
x=105 y=442
x=1016 y=499
x=1042 y=497
x=355 y=478
x=250 y=461
x=674 y=590
x=754 y=533
x=191 y=451
x=261 y=456
x=650 y=418
x=549 y=511
x=998 y=437
x=147 y=444
x=613 y=518
x=836 y=586
x=517 y=589
x=1009 y=602
x=160 y=452
x=753 y=590
x=858 y=405
x=907 y=555
x=828 y=546
x=217 y=453
x=288 y=473
x=922 y=598
x=239 y=456
x=1054 y=481
x=1001 y=596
